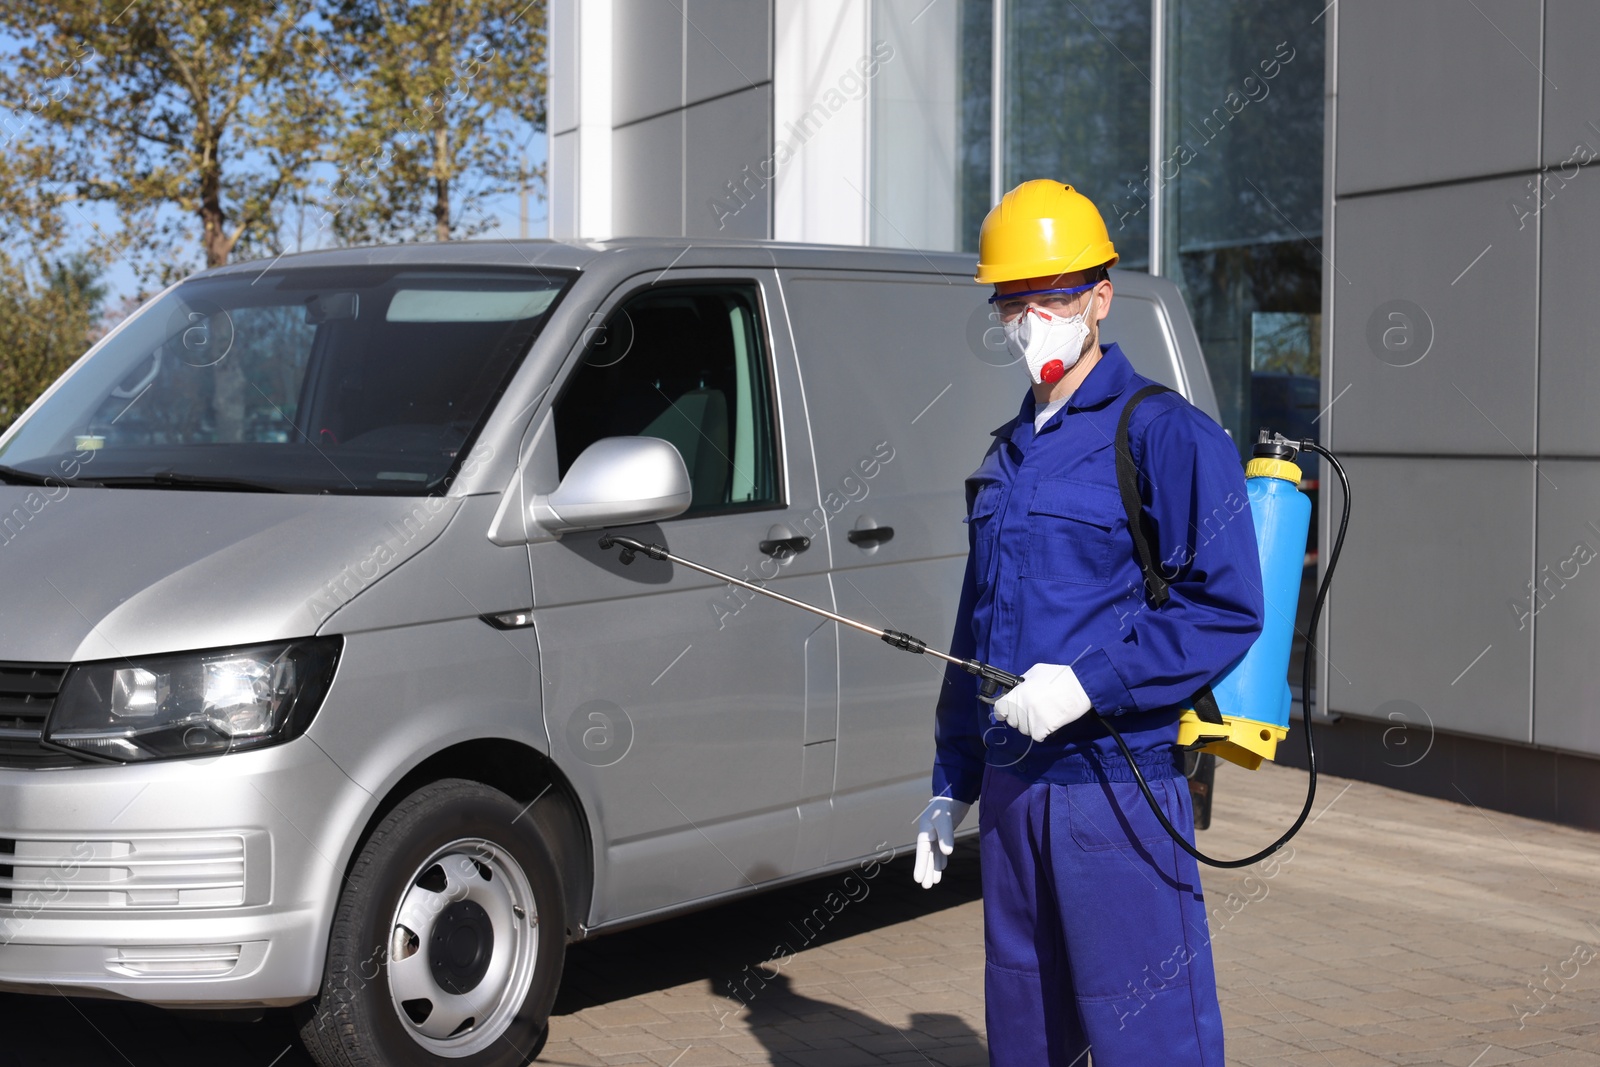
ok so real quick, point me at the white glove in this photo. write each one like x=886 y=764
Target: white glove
x=939 y=820
x=1049 y=698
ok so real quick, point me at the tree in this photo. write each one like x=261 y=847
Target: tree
x=436 y=92
x=211 y=110
x=48 y=321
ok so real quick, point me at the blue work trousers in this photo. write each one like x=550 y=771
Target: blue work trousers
x=1094 y=927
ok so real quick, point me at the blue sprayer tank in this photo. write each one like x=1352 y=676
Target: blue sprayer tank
x=1253 y=694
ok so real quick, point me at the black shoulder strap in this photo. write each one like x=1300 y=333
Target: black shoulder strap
x=1128 y=484
x=1205 y=705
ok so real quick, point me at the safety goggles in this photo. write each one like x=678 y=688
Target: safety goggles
x=1056 y=301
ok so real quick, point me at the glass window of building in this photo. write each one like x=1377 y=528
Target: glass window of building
x=1241 y=175
x=1077 y=95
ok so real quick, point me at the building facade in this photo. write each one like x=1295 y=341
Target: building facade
x=1380 y=215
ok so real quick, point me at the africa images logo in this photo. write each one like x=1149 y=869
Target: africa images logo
x=1400 y=333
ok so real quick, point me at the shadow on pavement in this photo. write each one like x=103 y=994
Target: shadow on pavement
x=725 y=951
x=785 y=1021
x=718 y=944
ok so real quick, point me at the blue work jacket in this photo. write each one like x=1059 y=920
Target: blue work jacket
x=1053 y=577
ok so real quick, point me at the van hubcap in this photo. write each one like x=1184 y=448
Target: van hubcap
x=463 y=947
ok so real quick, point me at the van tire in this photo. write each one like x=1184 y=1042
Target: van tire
x=506 y=895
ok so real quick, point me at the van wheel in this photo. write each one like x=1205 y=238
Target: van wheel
x=448 y=940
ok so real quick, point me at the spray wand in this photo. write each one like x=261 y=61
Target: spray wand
x=993 y=681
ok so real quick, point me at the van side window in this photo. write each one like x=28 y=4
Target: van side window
x=686 y=364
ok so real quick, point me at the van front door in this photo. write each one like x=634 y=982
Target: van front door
x=695 y=720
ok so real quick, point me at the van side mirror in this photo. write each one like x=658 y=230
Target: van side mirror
x=616 y=481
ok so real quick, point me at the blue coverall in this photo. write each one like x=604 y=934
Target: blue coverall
x=1095 y=930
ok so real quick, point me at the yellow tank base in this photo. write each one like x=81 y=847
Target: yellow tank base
x=1242 y=741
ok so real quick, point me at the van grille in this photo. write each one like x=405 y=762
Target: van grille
x=27 y=693
x=199 y=871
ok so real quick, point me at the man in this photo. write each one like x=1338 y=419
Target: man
x=1094 y=923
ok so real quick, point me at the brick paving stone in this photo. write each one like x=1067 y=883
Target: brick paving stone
x=566 y=1054
x=632 y=1043
x=1488 y=1056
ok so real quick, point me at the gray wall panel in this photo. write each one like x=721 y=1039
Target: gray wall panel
x=1563 y=610
x=1569 y=333
x=647 y=178
x=1474 y=388
x=727 y=47
x=1431 y=90
x=1572 y=28
x=1435 y=548
x=727 y=135
x=647 y=57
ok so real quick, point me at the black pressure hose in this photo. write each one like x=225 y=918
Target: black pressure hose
x=1305 y=700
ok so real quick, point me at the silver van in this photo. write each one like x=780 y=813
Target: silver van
x=316 y=688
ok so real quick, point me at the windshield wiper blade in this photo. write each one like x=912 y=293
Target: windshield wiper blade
x=178 y=480
x=17 y=476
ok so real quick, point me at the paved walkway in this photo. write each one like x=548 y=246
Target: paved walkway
x=1401 y=930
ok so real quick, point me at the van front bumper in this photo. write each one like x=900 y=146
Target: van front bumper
x=207 y=882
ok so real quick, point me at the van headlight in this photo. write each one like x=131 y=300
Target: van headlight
x=193 y=703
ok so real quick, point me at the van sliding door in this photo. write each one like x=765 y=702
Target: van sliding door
x=902 y=396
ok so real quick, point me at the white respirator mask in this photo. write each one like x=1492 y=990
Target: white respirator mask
x=1049 y=343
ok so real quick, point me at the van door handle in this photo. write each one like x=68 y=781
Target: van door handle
x=871 y=535
x=785 y=546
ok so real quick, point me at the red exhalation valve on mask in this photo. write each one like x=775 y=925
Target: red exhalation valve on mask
x=1052 y=372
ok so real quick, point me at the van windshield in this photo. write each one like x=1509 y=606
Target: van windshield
x=355 y=380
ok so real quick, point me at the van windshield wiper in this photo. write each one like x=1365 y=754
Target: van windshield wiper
x=18 y=476
x=178 y=480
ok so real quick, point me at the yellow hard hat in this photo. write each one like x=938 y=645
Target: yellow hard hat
x=1040 y=229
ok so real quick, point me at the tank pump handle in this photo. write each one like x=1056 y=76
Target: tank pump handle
x=1272 y=445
